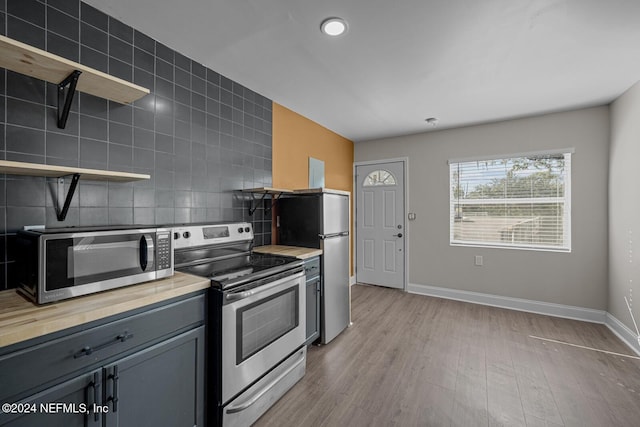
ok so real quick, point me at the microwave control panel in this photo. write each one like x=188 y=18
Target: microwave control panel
x=163 y=245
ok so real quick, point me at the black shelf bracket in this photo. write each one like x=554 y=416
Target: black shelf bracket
x=64 y=208
x=275 y=197
x=253 y=208
x=64 y=102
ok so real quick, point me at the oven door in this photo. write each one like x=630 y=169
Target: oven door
x=260 y=328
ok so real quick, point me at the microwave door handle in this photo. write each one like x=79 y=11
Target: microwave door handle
x=146 y=252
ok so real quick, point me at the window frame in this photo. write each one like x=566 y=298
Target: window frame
x=393 y=182
x=566 y=246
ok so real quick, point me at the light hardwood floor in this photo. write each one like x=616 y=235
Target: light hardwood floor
x=411 y=360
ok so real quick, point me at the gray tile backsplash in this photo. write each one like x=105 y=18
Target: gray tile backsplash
x=200 y=135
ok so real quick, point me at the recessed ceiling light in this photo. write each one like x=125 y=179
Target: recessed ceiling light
x=333 y=26
x=431 y=121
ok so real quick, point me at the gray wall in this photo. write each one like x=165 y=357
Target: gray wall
x=578 y=278
x=624 y=206
x=198 y=134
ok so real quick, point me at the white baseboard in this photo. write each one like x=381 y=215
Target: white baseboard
x=531 y=306
x=352 y=280
x=623 y=332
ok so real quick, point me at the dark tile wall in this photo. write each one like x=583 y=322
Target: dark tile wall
x=198 y=134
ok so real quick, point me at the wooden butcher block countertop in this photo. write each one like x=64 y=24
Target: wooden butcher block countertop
x=21 y=320
x=292 y=251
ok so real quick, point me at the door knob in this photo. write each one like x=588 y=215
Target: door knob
x=397 y=235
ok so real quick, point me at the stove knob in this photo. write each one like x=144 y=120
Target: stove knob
x=176 y=236
x=247 y=229
x=186 y=234
x=240 y=230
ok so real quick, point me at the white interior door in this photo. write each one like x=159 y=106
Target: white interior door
x=380 y=225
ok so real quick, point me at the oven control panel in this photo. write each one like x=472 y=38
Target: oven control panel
x=206 y=234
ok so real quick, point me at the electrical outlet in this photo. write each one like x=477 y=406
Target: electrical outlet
x=479 y=261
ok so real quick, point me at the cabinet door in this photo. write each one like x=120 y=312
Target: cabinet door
x=69 y=404
x=162 y=385
x=313 y=310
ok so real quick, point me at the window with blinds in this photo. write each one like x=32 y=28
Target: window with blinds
x=516 y=202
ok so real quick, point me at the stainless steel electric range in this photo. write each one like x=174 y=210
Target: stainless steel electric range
x=256 y=319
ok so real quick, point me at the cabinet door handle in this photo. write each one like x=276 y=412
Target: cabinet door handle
x=95 y=384
x=86 y=351
x=114 y=399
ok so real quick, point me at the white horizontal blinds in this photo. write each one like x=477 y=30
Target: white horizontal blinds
x=514 y=202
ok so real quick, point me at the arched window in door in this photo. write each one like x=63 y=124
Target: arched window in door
x=379 y=177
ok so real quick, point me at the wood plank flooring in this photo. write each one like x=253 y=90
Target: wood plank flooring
x=411 y=360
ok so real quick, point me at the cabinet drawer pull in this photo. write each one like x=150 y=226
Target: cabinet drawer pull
x=86 y=351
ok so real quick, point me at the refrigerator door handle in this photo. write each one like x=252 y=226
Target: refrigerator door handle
x=329 y=236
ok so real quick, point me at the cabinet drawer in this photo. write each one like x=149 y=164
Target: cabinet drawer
x=312 y=267
x=35 y=366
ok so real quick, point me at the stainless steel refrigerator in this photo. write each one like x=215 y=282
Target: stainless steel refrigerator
x=321 y=220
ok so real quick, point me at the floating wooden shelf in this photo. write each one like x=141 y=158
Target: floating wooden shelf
x=34 y=62
x=267 y=190
x=36 y=169
x=275 y=194
x=321 y=190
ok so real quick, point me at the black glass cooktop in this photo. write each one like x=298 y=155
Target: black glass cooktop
x=241 y=269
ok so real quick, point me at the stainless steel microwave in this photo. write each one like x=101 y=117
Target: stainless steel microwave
x=56 y=264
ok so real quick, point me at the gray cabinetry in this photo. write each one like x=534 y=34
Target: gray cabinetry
x=159 y=386
x=80 y=394
x=313 y=290
x=145 y=368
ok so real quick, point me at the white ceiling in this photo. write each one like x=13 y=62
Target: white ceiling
x=462 y=61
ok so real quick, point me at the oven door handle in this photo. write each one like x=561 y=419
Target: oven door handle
x=235 y=296
x=253 y=399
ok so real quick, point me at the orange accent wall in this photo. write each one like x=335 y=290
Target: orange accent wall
x=295 y=139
